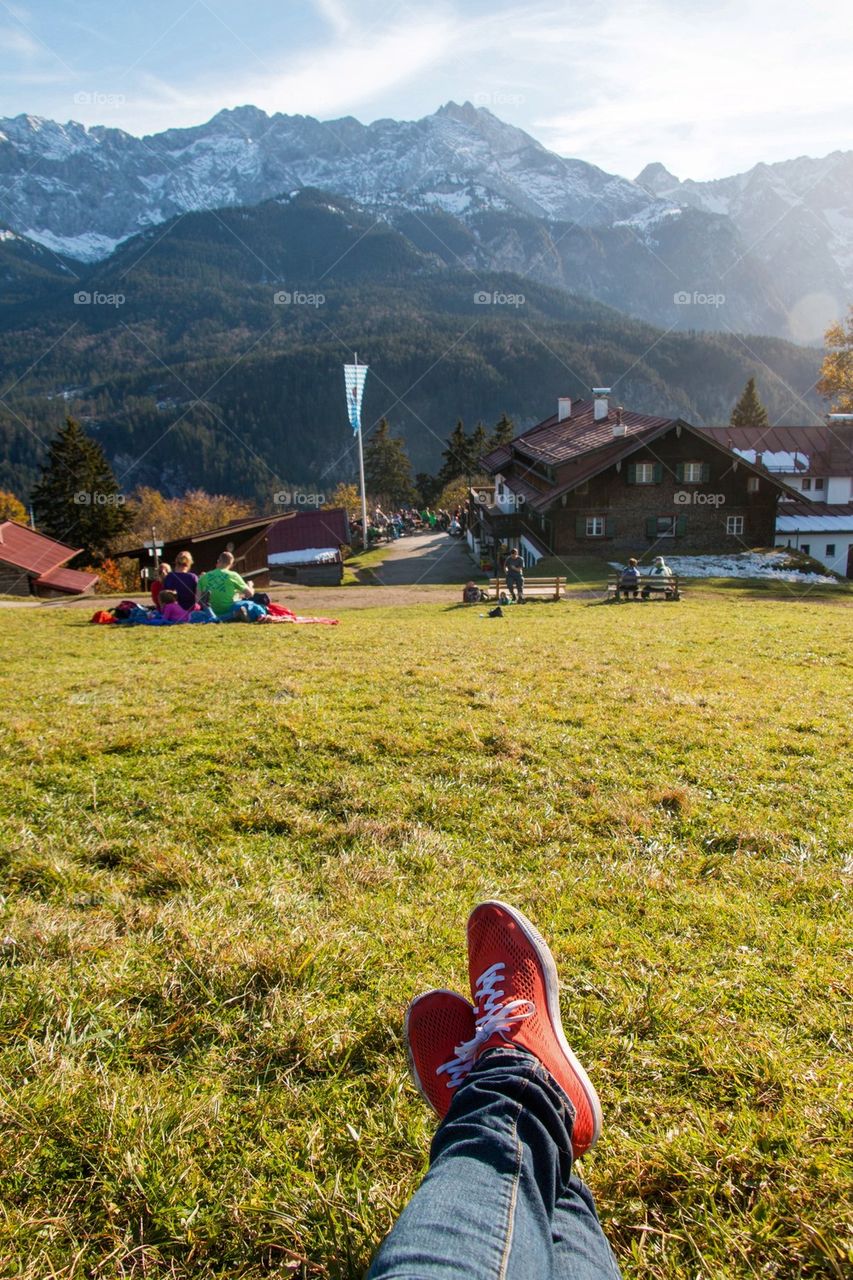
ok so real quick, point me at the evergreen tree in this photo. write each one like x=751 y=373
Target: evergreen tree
x=428 y=488
x=749 y=411
x=77 y=498
x=458 y=456
x=387 y=469
x=503 y=432
x=479 y=444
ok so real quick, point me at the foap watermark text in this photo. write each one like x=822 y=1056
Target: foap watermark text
x=696 y=498
x=696 y=299
x=295 y=298
x=299 y=498
x=494 y=298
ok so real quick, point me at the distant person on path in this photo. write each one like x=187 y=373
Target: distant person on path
x=514 y=572
x=183 y=581
x=223 y=584
x=159 y=582
x=629 y=583
x=659 y=578
x=516 y=1110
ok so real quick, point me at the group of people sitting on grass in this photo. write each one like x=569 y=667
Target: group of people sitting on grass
x=220 y=595
x=633 y=584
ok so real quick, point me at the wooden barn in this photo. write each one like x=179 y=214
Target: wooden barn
x=34 y=565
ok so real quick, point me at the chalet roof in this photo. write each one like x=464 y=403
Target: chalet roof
x=31 y=551
x=815 y=517
x=71 y=581
x=803 y=450
x=246 y=525
x=592 y=446
x=552 y=441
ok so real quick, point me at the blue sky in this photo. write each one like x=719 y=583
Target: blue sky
x=709 y=88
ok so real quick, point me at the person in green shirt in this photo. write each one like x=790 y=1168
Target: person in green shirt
x=223 y=584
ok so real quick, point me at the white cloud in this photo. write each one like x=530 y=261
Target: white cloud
x=14 y=41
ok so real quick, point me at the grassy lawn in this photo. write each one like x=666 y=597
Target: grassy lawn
x=231 y=855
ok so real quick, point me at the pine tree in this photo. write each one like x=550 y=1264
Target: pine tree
x=479 y=444
x=77 y=498
x=749 y=411
x=387 y=469
x=458 y=456
x=503 y=432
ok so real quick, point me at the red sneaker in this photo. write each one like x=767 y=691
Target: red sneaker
x=438 y=1023
x=516 y=995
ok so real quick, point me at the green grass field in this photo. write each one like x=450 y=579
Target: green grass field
x=231 y=855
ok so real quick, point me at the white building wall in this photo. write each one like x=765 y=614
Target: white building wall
x=839 y=489
x=817 y=544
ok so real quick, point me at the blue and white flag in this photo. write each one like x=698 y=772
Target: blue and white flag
x=354 y=379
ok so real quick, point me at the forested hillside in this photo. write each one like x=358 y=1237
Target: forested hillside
x=190 y=372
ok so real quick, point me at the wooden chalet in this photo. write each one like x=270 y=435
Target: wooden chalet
x=595 y=479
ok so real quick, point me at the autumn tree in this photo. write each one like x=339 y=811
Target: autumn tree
x=836 y=380
x=346 y=496
x=180 y=517
x=749 y=411
x=11 y=508
x=77 y=498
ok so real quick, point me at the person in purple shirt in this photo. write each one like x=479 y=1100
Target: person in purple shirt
x=183 y=581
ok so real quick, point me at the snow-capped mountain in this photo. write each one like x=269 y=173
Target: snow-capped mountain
x=478 y=192
x=794 y=218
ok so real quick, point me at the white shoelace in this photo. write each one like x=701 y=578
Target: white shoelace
x=494 y=1015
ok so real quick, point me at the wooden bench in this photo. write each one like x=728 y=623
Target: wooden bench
x=649 y=588
x=541 y=588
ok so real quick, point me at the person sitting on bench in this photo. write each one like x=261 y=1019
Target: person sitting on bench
x=659 y=579
x=629 y=583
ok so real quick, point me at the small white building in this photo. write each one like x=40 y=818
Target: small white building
x=820 y=530
x=818 y=462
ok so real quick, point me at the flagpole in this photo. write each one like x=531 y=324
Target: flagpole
x=361 y=476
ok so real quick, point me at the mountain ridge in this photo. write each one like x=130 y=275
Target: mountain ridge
x=80 y=192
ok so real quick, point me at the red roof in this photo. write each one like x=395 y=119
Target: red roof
x=309 y=529
x=813 y=444
x=31 y=551
x=557 y=440
x=69 y=580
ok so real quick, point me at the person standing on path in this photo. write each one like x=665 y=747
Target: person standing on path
x=514 y=572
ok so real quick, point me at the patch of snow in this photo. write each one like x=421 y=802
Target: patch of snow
x=779 y=461
x=90 y=246
x=744 y=564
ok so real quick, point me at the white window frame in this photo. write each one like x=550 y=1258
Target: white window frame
x=644 y=473
x=830 y=551
x=687 y=471
x=752 y=484
x=734 y=526
x=807 y=484
x=592 y=526
x=671 y=531
x=818 y=484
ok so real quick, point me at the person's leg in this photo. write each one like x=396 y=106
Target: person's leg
x=581 y=1250
x=499 y=1199
x=499 y=1162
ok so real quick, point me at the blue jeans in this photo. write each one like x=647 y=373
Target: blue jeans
x=500 y=1201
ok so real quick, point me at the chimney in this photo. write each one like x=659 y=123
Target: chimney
x=564 y=408
x=600 y=405
x=619 y=426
